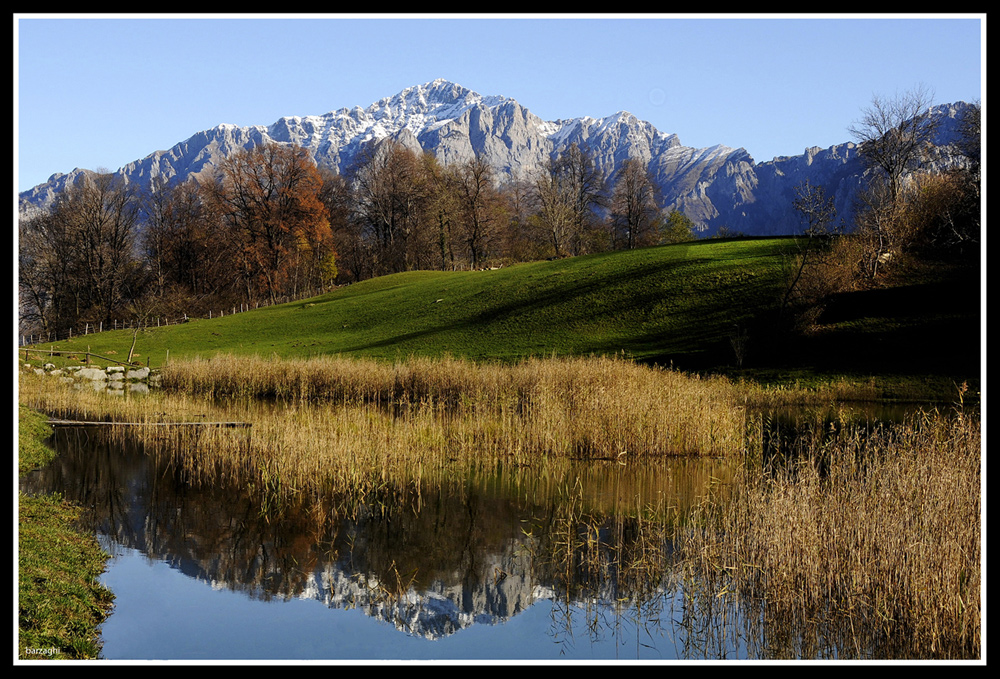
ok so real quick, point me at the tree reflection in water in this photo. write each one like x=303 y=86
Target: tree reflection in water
x=431 y=558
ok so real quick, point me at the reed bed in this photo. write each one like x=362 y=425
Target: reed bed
x=583 y=407
x=354 y=424
x=871 y=534
x=880 y=534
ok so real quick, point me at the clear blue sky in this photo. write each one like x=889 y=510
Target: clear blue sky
x=98 y=91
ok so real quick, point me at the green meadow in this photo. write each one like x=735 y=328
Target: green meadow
x=679 y=305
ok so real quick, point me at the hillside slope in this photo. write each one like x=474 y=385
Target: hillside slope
x=677 y=304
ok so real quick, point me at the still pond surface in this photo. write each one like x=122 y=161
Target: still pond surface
x=504 y=566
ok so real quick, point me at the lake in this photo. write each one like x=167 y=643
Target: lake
x=471 y=571
x=569 y=563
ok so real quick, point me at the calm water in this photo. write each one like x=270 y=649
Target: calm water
x=506 y=565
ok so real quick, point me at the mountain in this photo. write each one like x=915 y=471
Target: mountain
x=715 y=187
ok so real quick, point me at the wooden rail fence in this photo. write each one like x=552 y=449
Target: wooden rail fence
x=42 y=353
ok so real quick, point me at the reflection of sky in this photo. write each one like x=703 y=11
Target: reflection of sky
x=161 y=614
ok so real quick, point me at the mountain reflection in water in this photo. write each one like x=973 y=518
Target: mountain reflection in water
x=430 y=560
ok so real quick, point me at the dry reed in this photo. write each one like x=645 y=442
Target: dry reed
x=880 y=533
x=353 y=424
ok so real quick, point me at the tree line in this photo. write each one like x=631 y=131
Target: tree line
x=268 y=224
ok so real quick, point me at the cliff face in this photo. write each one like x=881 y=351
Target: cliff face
x=715 y=187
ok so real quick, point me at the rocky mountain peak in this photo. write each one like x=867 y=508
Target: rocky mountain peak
x=714 y=186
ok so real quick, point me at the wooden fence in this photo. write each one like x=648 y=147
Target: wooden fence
x=42 y=353
x=90 y=328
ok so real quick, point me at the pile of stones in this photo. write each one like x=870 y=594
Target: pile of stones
x=116 y=378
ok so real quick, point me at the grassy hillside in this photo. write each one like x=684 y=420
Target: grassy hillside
x=660 y=303
x=678 y=303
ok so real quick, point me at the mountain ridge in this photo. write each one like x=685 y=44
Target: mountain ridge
x=716 y=186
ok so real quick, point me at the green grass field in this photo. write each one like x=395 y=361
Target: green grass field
x=657 y=303
x=676 y=304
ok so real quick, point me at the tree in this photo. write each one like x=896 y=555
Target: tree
x=49 y=297
x=79 y=260
x=524 y=236
x=635 y=209
x=269 y=198
x=187 y=251
x=567 y=192
x=480 y=209
x=895 y=133
x=806 y=280
x=353 y=261
x=678 y=228
x=389 y=192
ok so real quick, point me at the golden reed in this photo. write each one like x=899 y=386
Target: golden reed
x=879 y=531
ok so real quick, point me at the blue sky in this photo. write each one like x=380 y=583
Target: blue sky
x=98 y=91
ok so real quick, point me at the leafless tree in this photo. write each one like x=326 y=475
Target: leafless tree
x=567 y=193
x=389 y=192
x=895 y=133
x=480 y=208
x=635 y=209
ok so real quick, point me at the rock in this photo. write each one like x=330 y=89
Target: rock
x=140 y=374
x=92 y=374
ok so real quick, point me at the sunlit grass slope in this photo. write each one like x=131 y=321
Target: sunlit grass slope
x=677 y=302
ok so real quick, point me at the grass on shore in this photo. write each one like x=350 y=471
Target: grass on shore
x=60 y=601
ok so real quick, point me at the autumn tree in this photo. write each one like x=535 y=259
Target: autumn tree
x=635 y=208
x=269 y=200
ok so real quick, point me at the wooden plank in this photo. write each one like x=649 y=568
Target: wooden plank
x=83 y=423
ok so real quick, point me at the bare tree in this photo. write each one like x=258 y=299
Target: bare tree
x=49 y=294
x=895 y=133
x=480 y=208
x=635 y=209
x=567 y=193
x=389 y=191
x=817 y=213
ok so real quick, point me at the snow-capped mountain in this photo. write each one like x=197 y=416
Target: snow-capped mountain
x=716 y=186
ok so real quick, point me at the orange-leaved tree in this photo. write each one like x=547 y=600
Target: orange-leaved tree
x=269 y=198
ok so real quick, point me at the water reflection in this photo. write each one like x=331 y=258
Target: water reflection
x=588 y=543
x=429 y=559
